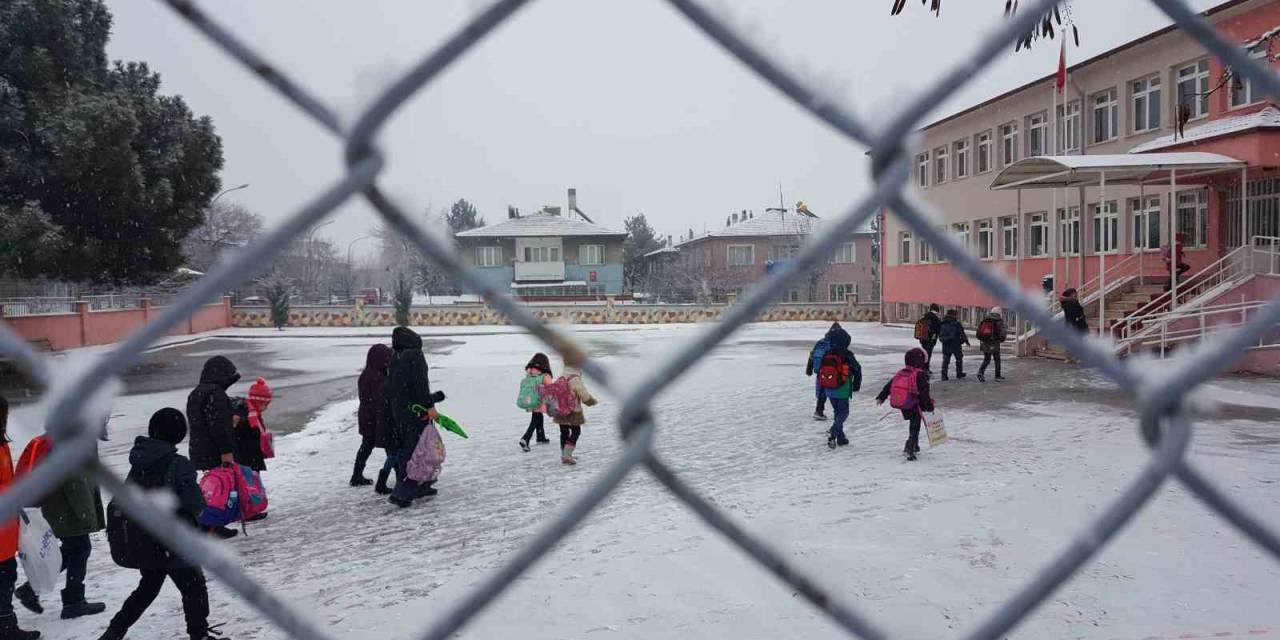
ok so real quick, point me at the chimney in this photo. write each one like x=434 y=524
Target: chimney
x=735 y=218
x=728 y=221
x=573 y=200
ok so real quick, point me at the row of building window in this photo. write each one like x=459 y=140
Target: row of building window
x=588 y=255
x=909 y=312
x=1145 y=213
x=1001 y=147
x=742 y=255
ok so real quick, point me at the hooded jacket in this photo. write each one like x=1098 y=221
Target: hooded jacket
x=1001 y=333
x=1073 y=313
x=915 y=358
x=156 y=463
x=951 y=324
x=935 y=325
x=209 y=414
x=840 y=341
x=73 y=509
x=820 y=349
x=579 y=388
x=370 y=387
x=408 y=384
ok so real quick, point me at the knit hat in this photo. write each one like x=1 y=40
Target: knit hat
x=259 y=392
x=169 y=425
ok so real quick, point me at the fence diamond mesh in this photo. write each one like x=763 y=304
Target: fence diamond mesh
x=1164 y=421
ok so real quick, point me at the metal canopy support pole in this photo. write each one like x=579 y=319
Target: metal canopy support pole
x=1053 y=245
x=1079 y=236
x=1173 y=240
x=1244 y=208
x=1102 y=253
x=1017 y=269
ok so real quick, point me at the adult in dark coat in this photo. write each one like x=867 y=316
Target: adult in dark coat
x=918 y=360
x=1073 y=311
x=155 y=462
x=209 y=414
x=412 y=405
x=370 y=387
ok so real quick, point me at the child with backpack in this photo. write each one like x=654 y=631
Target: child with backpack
x=953 y=338
x=908 y=391
x=811 y=367
x=991 y=334
x=8 y=542
x=927 y=329
x=839 y=375
x=156 y=464
x=564 y=399
x=536 y=374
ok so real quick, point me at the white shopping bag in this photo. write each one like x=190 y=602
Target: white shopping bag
x=40 y=551
x=935 y=428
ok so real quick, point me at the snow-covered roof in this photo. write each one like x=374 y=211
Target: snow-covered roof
x=537 y=285
x=771 y=223
x=661 y=251
x=1041 y=172
x=538 y=226
x=1268 y=118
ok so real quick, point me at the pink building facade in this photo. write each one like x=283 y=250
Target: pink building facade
x=1124 y=101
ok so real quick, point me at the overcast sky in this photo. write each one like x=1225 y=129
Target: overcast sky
x=621 y=99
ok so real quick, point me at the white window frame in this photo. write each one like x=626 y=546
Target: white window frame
x=1008 y=143
x=904 y=311
x=960 y=153
x=489 y=256
x=904 y=247
x=542 y=254
x=846 y=253
x=738 y=262
x=960 y=231
x=1194 y=202
x=1143 y=211
x=984 y=153
x=1108 y=215
x=1009 y=236
x=926 y=251
x=1037 y=134
x=585 y=257
x=986 y=239
x=839 y=291
x=1069 y=127
x=922 y=170
x=1245 y=85
x=1146 y=106
x=781 y=252
x=941 y=165
x=1069 y=231
x=1105 y=101
x=1195 y=74
x=1039 y=224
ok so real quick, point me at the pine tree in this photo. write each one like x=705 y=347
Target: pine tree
x=278 y=290
x=403 y=299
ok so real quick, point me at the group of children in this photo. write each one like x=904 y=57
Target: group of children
x=542 y=393
x=932 y=329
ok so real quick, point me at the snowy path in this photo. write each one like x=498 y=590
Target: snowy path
x=928 y=547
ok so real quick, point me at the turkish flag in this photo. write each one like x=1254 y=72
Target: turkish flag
x=1061 y=81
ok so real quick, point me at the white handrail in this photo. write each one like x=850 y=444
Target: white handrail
x=1226 y=268
x=1209 y=319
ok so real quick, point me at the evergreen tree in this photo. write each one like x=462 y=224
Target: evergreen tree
x=278 y=290
x=462 y=216
x=403 y=299
x=640 y=240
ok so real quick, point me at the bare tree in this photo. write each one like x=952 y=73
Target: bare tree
x=226 y=226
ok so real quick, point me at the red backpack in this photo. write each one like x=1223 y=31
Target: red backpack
x=986 y=329
x=833 y=372
x=559 y=396
x=904 y=389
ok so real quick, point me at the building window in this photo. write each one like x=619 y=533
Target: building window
x=1037 y=134
x=1106 y=227
x=1069 y=231
x=1009 y=236
x=966 y=315
x=961 y=232
x=1193 y=217
x=1039 y=235
x=741 y=255
x=488 y=256
x=904 y=247
x=984 y=151
x=1193 y=88
x=1242 y=94
x=841 y=292
x=922 y=170
x=1146 y=222
x=845 y=254
x=781 y=252
x=1008 y=144
x=1106 y=116
x=962 y=158
x=1146 y=104
x=1069 y=127
x=940 y=165
x=793 y=295
x=986 y=240
x=590 y=254
x=926 y=251
x=542 y=254
x=904 y=311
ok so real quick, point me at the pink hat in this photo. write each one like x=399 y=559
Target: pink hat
x=260 y=392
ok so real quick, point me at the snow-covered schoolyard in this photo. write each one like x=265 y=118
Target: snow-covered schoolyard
x=928 y=548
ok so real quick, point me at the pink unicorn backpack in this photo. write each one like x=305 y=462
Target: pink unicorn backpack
x=560 y=398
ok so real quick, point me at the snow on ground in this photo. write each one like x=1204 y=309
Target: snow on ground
x=927 y=548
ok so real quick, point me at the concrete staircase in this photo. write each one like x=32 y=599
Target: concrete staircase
x=1120 y=304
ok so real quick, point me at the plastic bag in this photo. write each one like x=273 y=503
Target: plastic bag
x=39 y=551
x=935 y=428
x=428 y=456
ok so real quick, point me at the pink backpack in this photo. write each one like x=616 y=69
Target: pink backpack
x=220 y=508
x=253 y=495
x=428 y=456
x=559 y=397
x=904 y=390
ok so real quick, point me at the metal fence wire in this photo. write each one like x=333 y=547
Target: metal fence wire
x=1161 y=395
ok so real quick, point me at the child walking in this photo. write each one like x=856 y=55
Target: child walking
x=991 y=334
x=537 y=373
x=8 y=542
x=908 y=391
x=839 y=376
x=571 y=423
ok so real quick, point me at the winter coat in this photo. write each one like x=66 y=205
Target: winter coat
x=952 y=333
x=935 y=326
x=384 y=435
x=209 y=414
x=840 y=346
x=992 y=344
x=820 y=349
x=73 y=509
x=369 y=386
x=1073 y=313
x=919 y=360
x=546 y=379
x=248 y=439
x=579 y=388
x=540 y=364
x=8 y=530
x=159 y=462
x=409 y=384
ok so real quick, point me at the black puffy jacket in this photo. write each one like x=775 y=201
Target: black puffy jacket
x=209 y=414
x=410 y=389
x=154 y=464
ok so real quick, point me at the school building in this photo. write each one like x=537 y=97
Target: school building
x=1150 y=139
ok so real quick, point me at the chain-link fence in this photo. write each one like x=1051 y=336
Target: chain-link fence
x=1161 y=396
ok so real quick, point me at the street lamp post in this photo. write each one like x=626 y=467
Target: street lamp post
x=351 y=265
x=226 y=191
